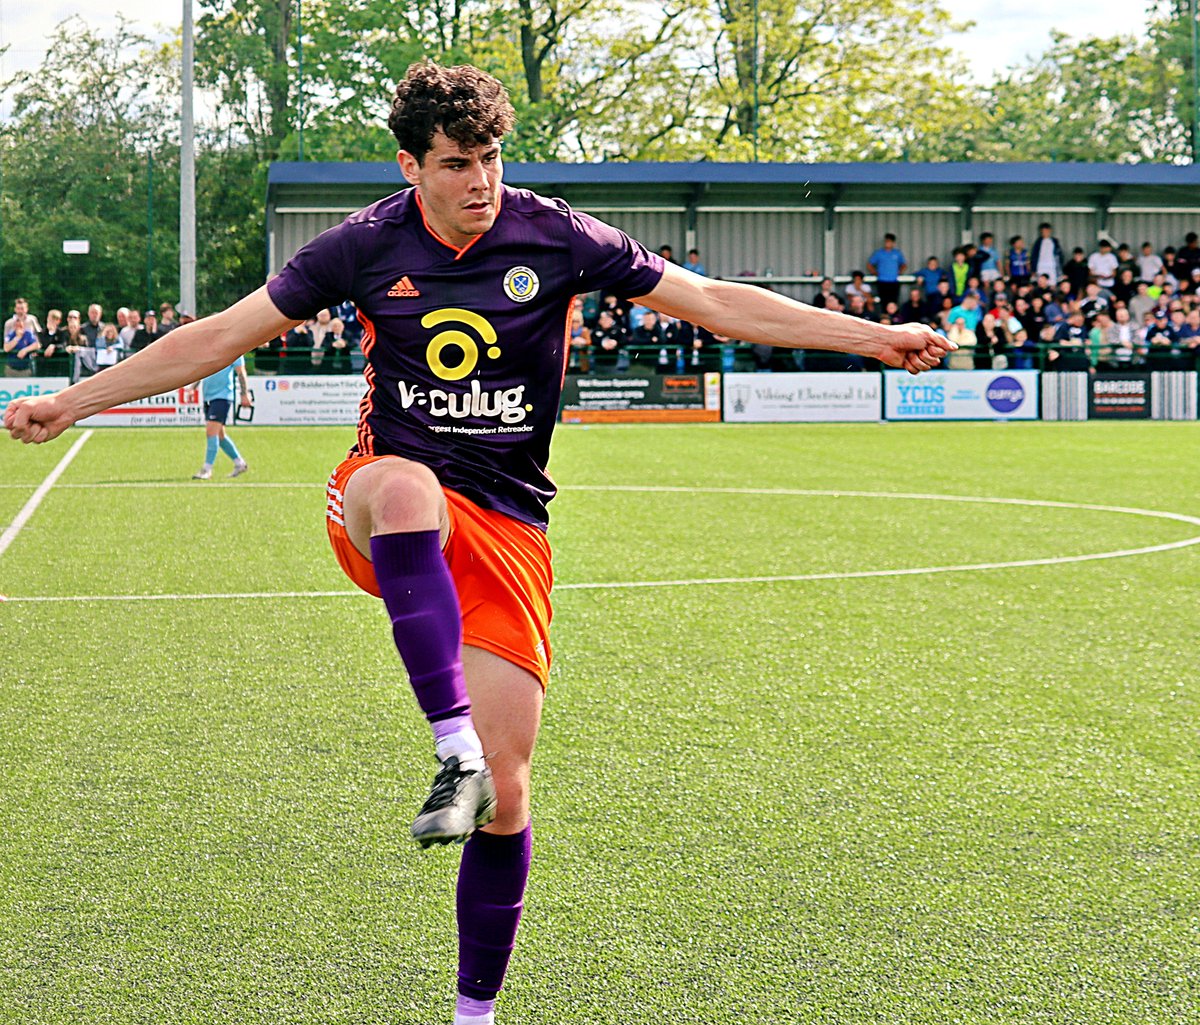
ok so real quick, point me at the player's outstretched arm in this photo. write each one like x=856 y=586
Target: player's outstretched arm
x=768 y=318
x=186 y=355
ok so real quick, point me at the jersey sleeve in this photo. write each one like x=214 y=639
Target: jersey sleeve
x=606 y=258
x=319 y=275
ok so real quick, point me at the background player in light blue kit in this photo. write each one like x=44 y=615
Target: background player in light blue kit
x=216 y=392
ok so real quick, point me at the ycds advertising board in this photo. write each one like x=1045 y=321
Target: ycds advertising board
x=803 y=398
x=961 y=395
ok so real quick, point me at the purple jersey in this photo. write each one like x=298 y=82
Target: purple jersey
x=465 y=347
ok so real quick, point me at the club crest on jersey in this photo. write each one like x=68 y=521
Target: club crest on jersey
x=521 y=284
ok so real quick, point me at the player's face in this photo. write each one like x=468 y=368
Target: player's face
x=459 y=188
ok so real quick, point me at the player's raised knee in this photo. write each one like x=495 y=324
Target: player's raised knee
x=399 y=495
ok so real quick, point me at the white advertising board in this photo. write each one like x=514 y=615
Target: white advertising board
x=28 y=388
x=309 y=399
x=802 y=398
x=178 y=408
x=961 y=395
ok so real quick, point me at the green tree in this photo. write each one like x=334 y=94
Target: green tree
x=76 y=154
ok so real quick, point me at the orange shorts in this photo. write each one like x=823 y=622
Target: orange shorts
x=500 y=566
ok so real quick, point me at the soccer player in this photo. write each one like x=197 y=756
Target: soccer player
x=464 y=289
x=216 y=392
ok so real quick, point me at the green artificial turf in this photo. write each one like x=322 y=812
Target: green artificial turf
x=964 y=797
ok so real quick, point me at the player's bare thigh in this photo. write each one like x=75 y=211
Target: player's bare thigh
x=391 y=496
x=506 y=706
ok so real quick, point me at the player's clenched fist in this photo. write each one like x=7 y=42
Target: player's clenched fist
x=915 y=347
x=36 y=420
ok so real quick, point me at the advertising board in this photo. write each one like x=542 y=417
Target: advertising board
x=803 y=398
x=178 y=408
x=28 y=388
x=308 y=399
x=961 y=395
x=649 y=398
x=1119 y=397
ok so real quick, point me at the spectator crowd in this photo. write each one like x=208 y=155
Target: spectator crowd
x=1017 y=306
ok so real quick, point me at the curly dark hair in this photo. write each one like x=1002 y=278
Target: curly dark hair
x=468 y=105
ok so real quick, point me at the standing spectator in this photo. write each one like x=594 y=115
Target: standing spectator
x=21 y=309
x=1094 y=303
x=20 y=344
x=693 y=263
x=941 y=301
x=75 y=338
x=1187 y=258
x=960 y=270
x=1018 y=264
x=133 y=324
x=108 y=347
x=147 y=333
x=667 y=253
x=1125 y=260
x=94 y=324
x=1077 y=272
x=53 y=338
x=166 y=319
x=648 y=334
x=887 y=264
x=580 y=343
x=1103 y=264
x=352 y=330
x=990 y=343
x=1149 y=263
x=122 y=318
x=1046 y=256
x=930 y=275
x=987 y=265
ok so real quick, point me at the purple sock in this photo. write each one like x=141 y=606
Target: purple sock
x=426 y=621
x=491 y=893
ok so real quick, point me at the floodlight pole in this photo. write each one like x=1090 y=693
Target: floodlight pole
x=187 y=174
x=1195 y=88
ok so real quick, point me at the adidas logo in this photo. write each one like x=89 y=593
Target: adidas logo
x=404 y=289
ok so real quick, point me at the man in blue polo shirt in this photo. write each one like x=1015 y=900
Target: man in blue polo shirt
x=887 y=264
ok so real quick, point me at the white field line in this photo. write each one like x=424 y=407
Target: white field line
x=30 y=507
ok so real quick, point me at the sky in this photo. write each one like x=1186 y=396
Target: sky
x=1006 y=31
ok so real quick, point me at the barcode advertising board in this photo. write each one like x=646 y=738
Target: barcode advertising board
x=961 y=395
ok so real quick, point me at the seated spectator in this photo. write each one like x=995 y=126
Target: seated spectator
x=693 y=263
x=1094 y=302
x=337 y=348
x=1123 y=339
x=619 y=308
x=859 y=287
x=931 y=275
x=648 y=332
x=1141 y=303
x=667 y=253
x=268 y=355
x=21 y=344
x=352 y=330
x=913 y=309
x=580 y=342
x=609 y=339
x=1126 y=286
x=1018 y=262
x=821 y=299
x=1102 y=339
x=939 y=302
x=856 y=306
x=1157 y=334
x=967 y=311
x=1058 y=309
x=1149 y=263
x=1070 y=337
x=991 y=343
